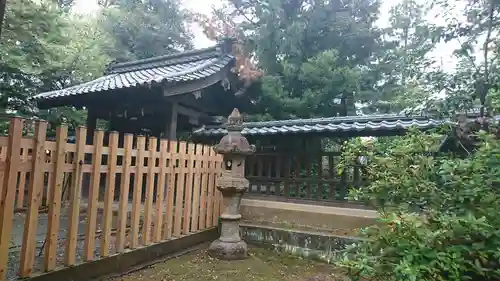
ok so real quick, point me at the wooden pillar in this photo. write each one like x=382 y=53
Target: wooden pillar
x=91 y=124
x=171 y=122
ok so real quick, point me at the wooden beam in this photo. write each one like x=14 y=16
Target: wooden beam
x=195 y=116
x=192 y=113
x=171 y=122
x=91 y=124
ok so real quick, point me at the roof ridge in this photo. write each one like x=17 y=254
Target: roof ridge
x=165 y=60
x=336 y=119
x=191 y=70
x=330 y=125
x=328 y=120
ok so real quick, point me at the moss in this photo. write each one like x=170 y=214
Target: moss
x=262 y=265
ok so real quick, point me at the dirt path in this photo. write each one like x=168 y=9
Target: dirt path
x=262 y=265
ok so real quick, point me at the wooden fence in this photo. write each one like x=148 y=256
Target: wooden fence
x=301 y=175
x=174 y=196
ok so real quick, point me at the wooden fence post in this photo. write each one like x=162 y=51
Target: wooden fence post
x=124 y=192
x=109 y=193
x=8 y=194
x=136 y=200
x=160 y=190
x=189 y=188
x=93 y=199
x=35 y=190
x=172 y=182
x=179 y=190
x=204 y=188
x=148 y=200
x=211 y=187
x=74 y=198
x=54 y=202
x=195 y=213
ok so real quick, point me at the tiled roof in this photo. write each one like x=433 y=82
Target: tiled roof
x=328 y=125
x=181 y=67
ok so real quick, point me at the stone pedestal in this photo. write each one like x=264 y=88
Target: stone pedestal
x=230 y=246
x=232 y=184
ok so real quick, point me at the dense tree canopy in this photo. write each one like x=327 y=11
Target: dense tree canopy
x=311 y=53
x=143 y=29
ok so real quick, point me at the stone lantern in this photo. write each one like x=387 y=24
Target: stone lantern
x=232 y=184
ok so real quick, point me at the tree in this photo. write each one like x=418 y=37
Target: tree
x=143 y=29
x=288 y=39
x=85 y=59
x=401 y=69
x=28 y=56
x=475 y=82
x=49 y=51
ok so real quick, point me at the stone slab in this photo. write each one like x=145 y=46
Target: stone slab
x=305 y=216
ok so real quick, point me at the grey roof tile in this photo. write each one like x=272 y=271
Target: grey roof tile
x=327 y=125
x=182 y=67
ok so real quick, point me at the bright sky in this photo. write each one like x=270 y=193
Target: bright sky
x=443 y=52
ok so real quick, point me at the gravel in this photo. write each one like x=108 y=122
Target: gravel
x=17 y=236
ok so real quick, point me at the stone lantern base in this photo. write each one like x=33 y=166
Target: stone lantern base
x=229 y=246
x=228 y=250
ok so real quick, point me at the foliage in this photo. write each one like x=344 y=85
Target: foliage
x=220 y=26
x=438 y=212
x=291 y=42
x=144 y=29
x=44 y=47
x=475 y=29
x=49 y=51
x=30 y=51
x=402 y=67
x=86 y=59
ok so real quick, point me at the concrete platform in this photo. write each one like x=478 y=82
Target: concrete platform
x=305 y=216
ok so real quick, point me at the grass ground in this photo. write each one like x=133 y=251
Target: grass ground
x=261 y=265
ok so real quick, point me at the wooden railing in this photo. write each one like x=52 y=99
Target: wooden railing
x=174 y=195
x=301 y=175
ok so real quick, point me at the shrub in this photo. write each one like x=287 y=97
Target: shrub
x=440 y=216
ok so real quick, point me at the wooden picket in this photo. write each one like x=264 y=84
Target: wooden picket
x=178 y=187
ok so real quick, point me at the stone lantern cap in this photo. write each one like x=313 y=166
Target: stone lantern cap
x=234 y=142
